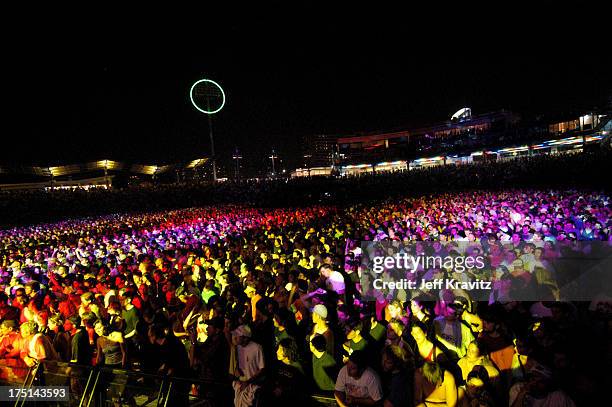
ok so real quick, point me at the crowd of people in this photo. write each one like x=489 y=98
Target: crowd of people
x=589 y=170
x=265 y=307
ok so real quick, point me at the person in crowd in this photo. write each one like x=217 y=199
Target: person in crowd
x=478 y=390
x=172 y=360
x=321 y=327
x=397 y=365
x=434 y=386
x=540 y=389
x=130 y=317
x=421 y=309
x=395 y=334
x=211 y=357
x=263 y=331
x=426 y=349
x=355 y=341
x=464 y=309
x=474 y=357
x=88 y=305
x=324 y=366
x=284 y=322
x=334 y=280
x=377 y=331
x=395 y=310
x=8 y=336
x=36 y=347
x=129 y=314
x=250 y=367
x=209 y=290
x=110 y=348
x=115 y=320
x=523 y=358
x=452 y=333
x=82 y=350
x=494 y=341
x=59 y=337
x=288 y=382
x=7 y=311
x=20 y=300
x=12 y=367
x=32 y=292
x=357 y=384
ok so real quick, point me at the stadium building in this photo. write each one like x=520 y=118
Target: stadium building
x=462 y=130
x=464 y=138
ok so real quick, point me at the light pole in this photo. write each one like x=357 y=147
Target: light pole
x=273 y=157
x=307 y=162
x=106 y=173
x=208 y=97
x=237 y=157
x=212 y=148
x=52 y=179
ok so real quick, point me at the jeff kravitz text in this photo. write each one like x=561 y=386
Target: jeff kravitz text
x=435 y=284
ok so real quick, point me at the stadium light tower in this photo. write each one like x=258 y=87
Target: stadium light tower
x=208 y=97
x=273 y=157
x=237 y=157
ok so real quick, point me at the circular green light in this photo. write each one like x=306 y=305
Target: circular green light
x=198 y=107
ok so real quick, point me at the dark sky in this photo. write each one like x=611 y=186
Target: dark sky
x=114 y=83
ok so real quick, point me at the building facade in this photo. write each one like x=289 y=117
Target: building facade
x=319 y=150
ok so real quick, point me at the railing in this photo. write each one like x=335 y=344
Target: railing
x=100 y=386
x=323 y=401
x=91 y=386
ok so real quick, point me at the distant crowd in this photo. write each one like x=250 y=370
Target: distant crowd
x=588 y=170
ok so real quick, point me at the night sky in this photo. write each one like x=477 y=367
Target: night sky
x=112 y=84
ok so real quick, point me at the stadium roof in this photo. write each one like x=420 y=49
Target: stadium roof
x=100 y=165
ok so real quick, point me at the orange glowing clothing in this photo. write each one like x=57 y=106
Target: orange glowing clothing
x=503 y=358
x=9 y=341
x=254 y=300
x=500 y=351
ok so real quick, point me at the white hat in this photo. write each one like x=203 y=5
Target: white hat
x=320 y=310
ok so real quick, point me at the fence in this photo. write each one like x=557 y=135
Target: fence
x=100 y=386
